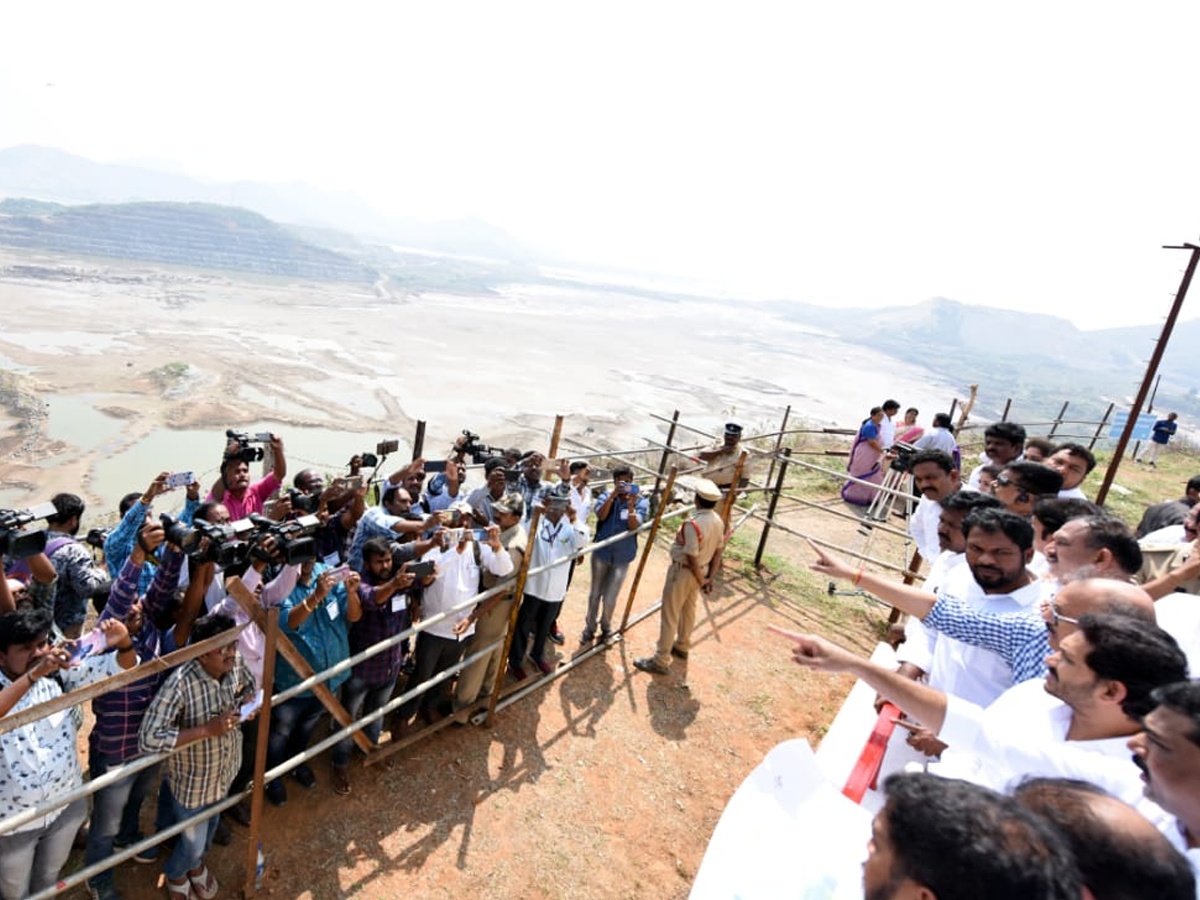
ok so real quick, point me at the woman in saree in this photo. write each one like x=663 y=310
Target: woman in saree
x=866 y=461
x=909 y=432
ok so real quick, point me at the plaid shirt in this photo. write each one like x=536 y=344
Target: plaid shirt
x=1020 y=639
x=379 y=623
x=119 y=713
x=202 y=771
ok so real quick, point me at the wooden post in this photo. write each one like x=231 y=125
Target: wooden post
x=778 y=444
x=236 y=589
x=662 y=464
x=1100 y=427
x=555 y=436
x=653 y=533
x=249 y=889
x=731 y=494
x=419 y=442
x=1062 y=412
x=1007 y=407
x=1151 y=369
x=762 y=540
x=518 y=595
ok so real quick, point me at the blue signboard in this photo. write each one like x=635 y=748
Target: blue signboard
x=1141 y=431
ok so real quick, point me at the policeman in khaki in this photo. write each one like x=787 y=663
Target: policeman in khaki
x=694 y=559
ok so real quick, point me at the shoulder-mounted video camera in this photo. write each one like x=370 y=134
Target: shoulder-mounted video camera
x=245 y=452
x=18 y=541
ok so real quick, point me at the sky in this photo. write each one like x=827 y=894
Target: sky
x=1030 y=156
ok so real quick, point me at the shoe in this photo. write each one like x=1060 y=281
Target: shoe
x=518 y=672
x=179 y=890
x=341 y=780
x=142 y=857
x=557 y=636
x=651 y=665
x=679 y=654
x=606 y=638
x=276 y=792
x=304 y=775
x=102 y=887
x=204 y=885
x=586 y=640
x=544 y=666
x=240 y=813
x=223 y=834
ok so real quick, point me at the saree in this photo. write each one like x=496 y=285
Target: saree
x=866 y=463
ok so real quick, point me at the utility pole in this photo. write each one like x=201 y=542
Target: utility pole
x=1151 y=367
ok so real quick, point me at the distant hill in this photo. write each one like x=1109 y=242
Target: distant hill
x=187 y=234
x=46 y=173
x=1041 y=360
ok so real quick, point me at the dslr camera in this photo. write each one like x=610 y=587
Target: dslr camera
x=302 y=502
x=18 y=541
x=294 y=542
x=227 y=545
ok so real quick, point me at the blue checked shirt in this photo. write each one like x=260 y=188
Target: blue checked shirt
x=1020 y=639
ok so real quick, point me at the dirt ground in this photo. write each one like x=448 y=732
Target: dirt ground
x=606 y=783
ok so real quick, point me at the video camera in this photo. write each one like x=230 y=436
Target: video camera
x=294 y=543
x=904 y=454
x=245 y=452
x=96 y=538
x=302 y=502
x=19 y=543
x=479 y=451
x=227 y=545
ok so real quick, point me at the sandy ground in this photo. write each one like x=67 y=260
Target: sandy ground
x=332 y=367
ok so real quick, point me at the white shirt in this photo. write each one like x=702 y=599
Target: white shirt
x=40 y=761
x=918 y=637
x=458 y=581
x=581 y=501
x=553 y=542
x=887 y=432
x=973 y=673
x=938 y=439
x=252 y=643
x=1169 y=534
x=1178 y=615
x=1075 y=493
x=923 y=526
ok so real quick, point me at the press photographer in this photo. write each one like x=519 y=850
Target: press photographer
x=234 y=488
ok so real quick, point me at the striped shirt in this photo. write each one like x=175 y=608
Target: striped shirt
x=202 y=771
x=119 y=712
x=379 y=623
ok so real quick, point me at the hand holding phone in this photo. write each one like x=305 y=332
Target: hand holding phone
x=180 y=479
x=89 y=645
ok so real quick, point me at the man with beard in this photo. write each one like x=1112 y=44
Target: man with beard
x=1075 y=723
x=935 y=478
x=234 y=489
x=78 y=576
x=482 y=500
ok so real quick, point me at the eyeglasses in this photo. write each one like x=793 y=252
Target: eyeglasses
x=1005 y=481
x=1051 y=611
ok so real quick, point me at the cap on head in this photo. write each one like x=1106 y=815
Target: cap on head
x=733 y=428
x=706 y=489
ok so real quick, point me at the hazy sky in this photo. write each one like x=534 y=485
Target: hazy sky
x=1024 y=155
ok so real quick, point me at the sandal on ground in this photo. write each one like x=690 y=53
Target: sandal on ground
x=204 y=884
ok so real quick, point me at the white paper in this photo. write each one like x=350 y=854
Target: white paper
x=332 y=608
x=399 y=602
x=251 y=706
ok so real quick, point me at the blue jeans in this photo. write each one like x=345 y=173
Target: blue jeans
x=116 y=809
x=192 y=843
x=360 y=699
x=292 y=725
x=31 y=860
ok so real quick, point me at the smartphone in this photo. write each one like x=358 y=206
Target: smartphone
x=340 y=574
x=455 y=518
x=421 y=569
x=451 y=536
x=435 y=465
x=90 y=644
x=263 y=437
x=351 y=482
x=180 y=479
x=251 y=706
x=480 y=535
x=385 y=447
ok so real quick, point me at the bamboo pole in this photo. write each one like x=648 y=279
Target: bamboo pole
x=762 y=540
x=666 y=454
x=1100 y=427
x=641 y=567
x=778 y=443
x=250 y=888
x=419 y=441
x=518 y=594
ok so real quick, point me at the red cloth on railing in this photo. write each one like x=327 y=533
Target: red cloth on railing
x=866 y=769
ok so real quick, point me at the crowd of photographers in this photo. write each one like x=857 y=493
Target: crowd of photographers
x=348 y=565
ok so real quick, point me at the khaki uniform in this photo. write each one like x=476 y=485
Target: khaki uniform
x=1162 y=559
x=480 y=676
x=700 y=536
